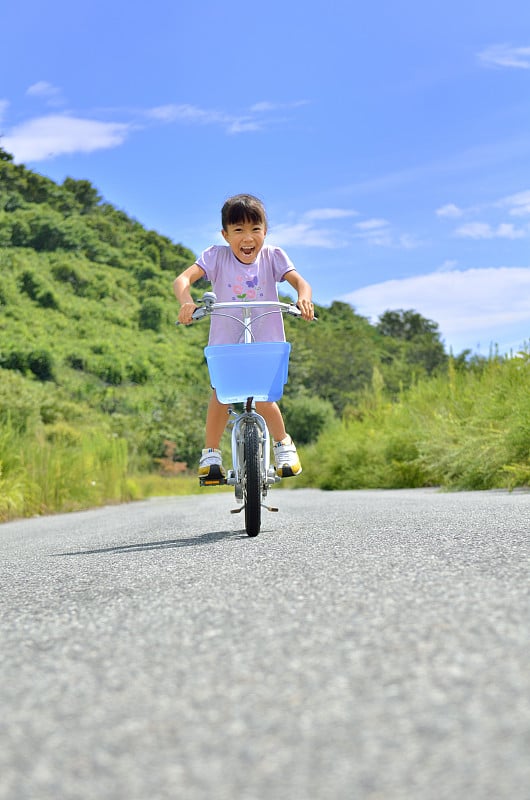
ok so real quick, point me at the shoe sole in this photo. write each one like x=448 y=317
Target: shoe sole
x=215 y=477
x=288 y=472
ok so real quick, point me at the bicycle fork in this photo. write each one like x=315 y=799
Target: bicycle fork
x=236 y=476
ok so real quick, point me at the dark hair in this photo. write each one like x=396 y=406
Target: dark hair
x=243 y=208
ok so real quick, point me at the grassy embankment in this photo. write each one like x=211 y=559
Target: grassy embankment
x=464 y=430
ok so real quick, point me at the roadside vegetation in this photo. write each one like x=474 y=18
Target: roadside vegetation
x=464 y=429
x=103 y=400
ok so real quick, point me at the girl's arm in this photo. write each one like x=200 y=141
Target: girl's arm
x=181 y=287
x=304 y=293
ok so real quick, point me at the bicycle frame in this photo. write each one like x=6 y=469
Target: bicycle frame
x=235 y=475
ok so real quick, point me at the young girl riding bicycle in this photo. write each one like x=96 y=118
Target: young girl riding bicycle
x=246 y=269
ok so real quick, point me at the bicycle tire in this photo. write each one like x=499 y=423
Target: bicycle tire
x=252 y=480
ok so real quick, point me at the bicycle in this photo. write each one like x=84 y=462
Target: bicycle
x=245 y=373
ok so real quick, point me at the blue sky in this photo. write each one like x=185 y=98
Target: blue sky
x=390 y=141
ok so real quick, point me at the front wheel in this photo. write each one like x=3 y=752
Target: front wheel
x=252 y=480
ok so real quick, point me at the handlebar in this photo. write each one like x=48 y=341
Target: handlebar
x=209 y=305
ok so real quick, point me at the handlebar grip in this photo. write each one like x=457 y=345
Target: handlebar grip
x=294 y=311
x=199 y=313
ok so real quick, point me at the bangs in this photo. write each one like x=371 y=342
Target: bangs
x=243 y=209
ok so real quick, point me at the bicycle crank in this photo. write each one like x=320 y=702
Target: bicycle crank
x=239 y=510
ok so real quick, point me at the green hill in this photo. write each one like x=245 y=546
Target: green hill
x=93 y=371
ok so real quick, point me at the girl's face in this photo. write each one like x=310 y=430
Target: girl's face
x=246 y=240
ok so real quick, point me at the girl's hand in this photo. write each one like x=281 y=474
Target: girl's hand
x=307 y=308
x=185 y=313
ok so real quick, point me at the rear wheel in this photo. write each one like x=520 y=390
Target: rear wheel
x=252 y=484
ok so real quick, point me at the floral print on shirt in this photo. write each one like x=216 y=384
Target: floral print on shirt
x=244 y=289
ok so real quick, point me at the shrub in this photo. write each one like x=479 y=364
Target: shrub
x=40 y=363
x=66 y=273
x=76 y=361
x=61 y=433
x=20 y=232
x=151 y=314
x=306 y=417
x=14 y=359
x=108 y=369
x=138 y=372
x=37 y=289
x=47 y=299
x=29 y=283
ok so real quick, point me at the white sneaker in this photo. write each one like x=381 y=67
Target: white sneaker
x=211 y=470
x=286 y=459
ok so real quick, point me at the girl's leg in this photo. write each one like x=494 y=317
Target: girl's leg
x=215 y=422
x=285 y=455
x=273 y=418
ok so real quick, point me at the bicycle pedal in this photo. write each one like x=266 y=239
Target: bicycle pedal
x=212 y=481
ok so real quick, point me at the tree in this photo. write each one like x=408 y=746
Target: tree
x=412 y=340
x=333 y=358
x=407 y=325
x=4 y=155
x=151 y=314
x=86 y=195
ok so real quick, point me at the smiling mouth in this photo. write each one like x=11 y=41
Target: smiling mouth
x=247 y=251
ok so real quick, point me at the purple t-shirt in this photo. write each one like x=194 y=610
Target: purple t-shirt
x=232 y=280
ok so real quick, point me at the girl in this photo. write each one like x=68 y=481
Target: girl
x=245 y=269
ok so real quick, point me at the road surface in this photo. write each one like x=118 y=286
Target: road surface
x=369 y=644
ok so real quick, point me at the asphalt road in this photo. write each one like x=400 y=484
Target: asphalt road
x=369 y=645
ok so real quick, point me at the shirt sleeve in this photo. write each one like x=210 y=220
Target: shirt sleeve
x=282 y=264
x=208 y=261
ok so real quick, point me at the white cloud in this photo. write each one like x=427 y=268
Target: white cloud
x=484 y=303
x=408 y=241
x=372 y=224
x=330 y=213
x=303 y=234
x=448 y=265
x=483 y=230
x=508 y=231
x=266 y=106
x=263 y=106
x=450 y=211
x=51 y=94
x=232 y=123
x=306 y=232
x=505 y=55
x=378 y=232
x=201 y=116
x=243 y=125
x=47 y=137
x=519 y=204
x=189 y=113
x=378 y=237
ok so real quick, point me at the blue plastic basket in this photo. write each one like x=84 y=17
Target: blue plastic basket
x=257 y=370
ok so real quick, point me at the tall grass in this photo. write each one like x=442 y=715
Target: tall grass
x=467 y=430
x=56 y=468
x=60 y=469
